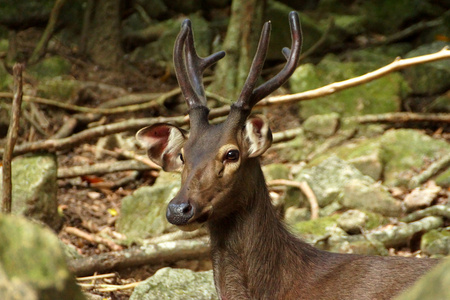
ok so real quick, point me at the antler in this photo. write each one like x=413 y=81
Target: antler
x=190 y=70
x=249 y=95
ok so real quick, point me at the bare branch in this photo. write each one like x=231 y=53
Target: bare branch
x=306 y=190
x=12 y=138
x=335 y=87
x=144 y=255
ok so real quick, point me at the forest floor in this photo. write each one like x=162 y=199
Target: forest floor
x=92 y=203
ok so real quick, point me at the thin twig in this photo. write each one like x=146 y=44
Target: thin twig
x=92 y=238
x=152 y=101
x=95 y=277
x=42 y=44
x=12 y=138
x=306 y=190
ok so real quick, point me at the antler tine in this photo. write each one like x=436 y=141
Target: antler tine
x=190 y=70
x=256 y=68
x=180 y=68
x=250 y=99
x=292 y=57
x=197 y=65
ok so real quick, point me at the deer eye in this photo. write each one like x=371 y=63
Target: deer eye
x=231 y=155
x=181 y=157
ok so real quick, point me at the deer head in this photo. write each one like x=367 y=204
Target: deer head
x=216 y=161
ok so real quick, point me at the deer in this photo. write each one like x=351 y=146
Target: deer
x=254 y=256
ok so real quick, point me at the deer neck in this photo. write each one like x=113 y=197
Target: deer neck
x=252 y=243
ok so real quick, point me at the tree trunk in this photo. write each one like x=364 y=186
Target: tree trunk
x=103 y=36
x=240 y=45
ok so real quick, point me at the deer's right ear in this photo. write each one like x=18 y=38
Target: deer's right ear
x=163 y=143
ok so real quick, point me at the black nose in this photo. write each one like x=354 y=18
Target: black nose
x=179 y=213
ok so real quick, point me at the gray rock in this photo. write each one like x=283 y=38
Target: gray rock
x=436 y=242
x=176 y=284
x=380 y=96
x=397 y=154
x=421 y=197
x=143 y=213
x=352 y=221
x=162 y=49
x=431 y=78
x=371 y=196
x=32 y=263
x=34 y=188
x=322 y=125
x=336 y=180
x=276 y=171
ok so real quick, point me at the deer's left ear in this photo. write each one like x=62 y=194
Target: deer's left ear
x=258 y=135
x=163 y=143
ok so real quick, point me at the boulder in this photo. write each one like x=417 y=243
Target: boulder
x=336 y=180
x=431 y=78
x=34 y=188
x=143 y=214
x=176 y=284
x=375 y=97
x=32 y=262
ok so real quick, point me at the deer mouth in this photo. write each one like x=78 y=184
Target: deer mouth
x=197 y=222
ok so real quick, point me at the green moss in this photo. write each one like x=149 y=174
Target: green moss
x=58 y=89
x=316 y=227
x=378 y=96
x=50 y=67
x=405 y=150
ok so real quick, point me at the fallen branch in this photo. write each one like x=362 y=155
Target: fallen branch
x=401 y=117
x=435 y=210
x=144 y=255
x=306 y=190
x=393 y=236
x=53 y=145
x=11 y=138
x=433 y=169
x=103 y=168
x=335 y=87
x=92 y=238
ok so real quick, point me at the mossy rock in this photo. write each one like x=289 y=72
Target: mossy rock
x=313 y=229
x=50 y=67
x=59 y=88
x=31 y=259
x=379 y=96
x=143 y=213
x=397 y=154
x=436 y=242
x=276 y=171
x=405 y=151
x=34 y=188
x=162 y=49
x=431 y=78
x=176 y=284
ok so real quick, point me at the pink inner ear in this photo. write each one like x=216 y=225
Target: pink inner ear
x=257 y=124
x=160 y=132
